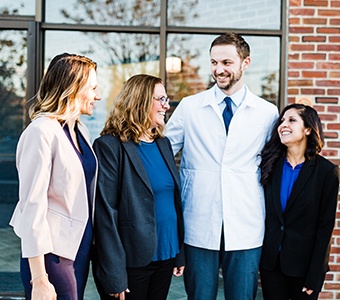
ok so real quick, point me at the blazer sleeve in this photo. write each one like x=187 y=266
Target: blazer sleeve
x=34 y=164
x=319 y=261
x=110 y=260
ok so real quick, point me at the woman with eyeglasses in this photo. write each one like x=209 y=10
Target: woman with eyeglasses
x=138 y=216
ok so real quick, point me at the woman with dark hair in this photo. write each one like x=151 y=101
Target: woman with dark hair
x=301 y=192
x=138 y=216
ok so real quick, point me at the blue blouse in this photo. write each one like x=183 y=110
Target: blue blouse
x=163 y=189
x=289 y=176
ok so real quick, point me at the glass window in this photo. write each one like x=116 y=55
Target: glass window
x=118 y=55
x=13 y=57
x=104 y=12
x=259 y=14
x=262 y=77
x=23 y=7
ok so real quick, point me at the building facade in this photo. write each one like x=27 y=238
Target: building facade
x=295 y=51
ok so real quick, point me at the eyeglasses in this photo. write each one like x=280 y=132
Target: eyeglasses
x=162 y=100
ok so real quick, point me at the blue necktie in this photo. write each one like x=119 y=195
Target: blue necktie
x=227 y=113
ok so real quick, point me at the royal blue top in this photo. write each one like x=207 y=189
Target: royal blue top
x=163 y=188
x=289 y=176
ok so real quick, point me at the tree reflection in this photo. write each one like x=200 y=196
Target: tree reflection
x=129 y=53
x=12 y=83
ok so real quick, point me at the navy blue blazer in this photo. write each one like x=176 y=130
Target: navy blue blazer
x=124 y=223
x=303 y=231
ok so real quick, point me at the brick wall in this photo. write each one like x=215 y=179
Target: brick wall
x=314 y=77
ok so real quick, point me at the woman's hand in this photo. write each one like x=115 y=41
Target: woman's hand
x=178 y=271
x=42 y=289
x=309 y=292
x=120 y=296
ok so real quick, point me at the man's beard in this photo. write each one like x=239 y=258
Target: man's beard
x=232 y=81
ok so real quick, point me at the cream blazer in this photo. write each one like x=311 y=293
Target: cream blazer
x=52 y=211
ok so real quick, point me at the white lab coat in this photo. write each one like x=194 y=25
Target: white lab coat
x=219 y=173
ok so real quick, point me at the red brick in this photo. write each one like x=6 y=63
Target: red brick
x=314 y=74
x=314 y=21
x=328 y=12
x=328 y=30
x=294 y=39
x=294 y=56
x=294 y=21
x=300 y=65
x=334 y=74
x=334 y=39
x=314 y=39
x=333 y=92
x=331 y=135
x=335 y=3
x=328 y=82
x=295 y=2
x=321 y=108
x=326 y=100
x=303 y=47
x=333 y=144
x=328 y=65
x=294 y=74
x=330 y=153
x=300 y=82
x=329 y=47
x=334 y=21
x=333 y=126
x=315 y=3
x=312 y=91
x=333 y=286
x=293 y=92
x=326 y=295
x=301 y=29
x=334 y=56
x=302 y=12
x=314 y=56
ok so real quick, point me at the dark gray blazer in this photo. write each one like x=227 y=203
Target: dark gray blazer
x=124 y=223
x=305 y=228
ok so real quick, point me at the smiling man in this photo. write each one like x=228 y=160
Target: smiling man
x=221 y=131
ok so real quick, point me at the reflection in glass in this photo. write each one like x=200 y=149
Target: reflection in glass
x=118 y=12
x=13 y=83
x=21 y=7
x=262 y=77
x=264 y=14
x=118 y=55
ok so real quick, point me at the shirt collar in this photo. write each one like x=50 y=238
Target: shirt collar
x=237 y=97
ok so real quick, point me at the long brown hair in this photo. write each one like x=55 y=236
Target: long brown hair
x=130 y=115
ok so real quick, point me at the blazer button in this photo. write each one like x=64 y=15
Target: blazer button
x=282 y=228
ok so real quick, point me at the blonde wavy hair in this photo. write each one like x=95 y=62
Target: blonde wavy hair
x=130 y=115
x=59 y=87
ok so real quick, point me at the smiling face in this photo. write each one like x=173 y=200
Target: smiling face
x=292 y=131
x=227 y=68
x=89 y=94
x=158 y=110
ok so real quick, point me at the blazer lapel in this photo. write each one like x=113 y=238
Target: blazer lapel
x=277 y=174
x=301 y=181
x=137 y=162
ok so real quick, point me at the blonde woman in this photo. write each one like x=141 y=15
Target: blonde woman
x=57 y=175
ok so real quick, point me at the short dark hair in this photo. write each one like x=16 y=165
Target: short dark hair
x=232 y=38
